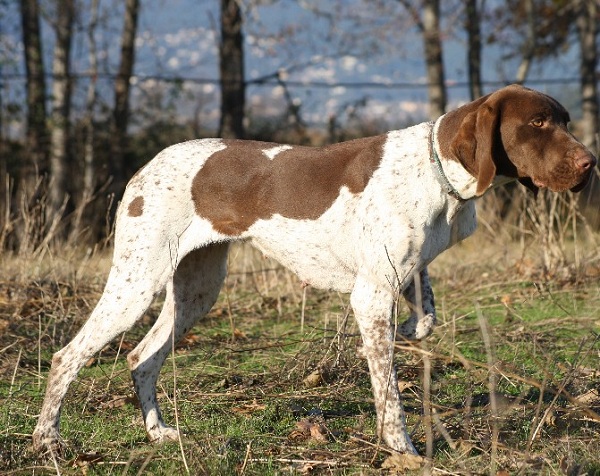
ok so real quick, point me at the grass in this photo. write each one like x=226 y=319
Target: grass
x=272 y=381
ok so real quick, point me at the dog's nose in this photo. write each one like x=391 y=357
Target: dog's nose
x=585 y=161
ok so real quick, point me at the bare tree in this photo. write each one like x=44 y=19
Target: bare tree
x=87 y=164
x=231 y=67
x=122 y=87
x=429 y=24
x=529 y=30
x=61 y=105
x=587 y=27
x=529 y=46
x=473 y=27
x=37 y=133
x=88 y=153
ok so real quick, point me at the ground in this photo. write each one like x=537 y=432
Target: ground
x=272 y=380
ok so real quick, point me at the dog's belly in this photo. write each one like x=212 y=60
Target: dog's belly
x=319 y=255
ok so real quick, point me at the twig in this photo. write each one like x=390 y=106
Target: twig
x=427 y=407
x=442 y=429
x=14 y=375
x=146 y=462
x=491 y=361
x=561 y=390
x=54 y=461
x=175 y=407
x=538 y=409
x=303 y=308
x=39 y=351
x=112 y=371
x=246 y=458
x=308 y=461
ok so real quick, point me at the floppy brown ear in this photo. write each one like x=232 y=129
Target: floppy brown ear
x=530 y=185
x=486 y=130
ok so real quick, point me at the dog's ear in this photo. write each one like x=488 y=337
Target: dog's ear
x=475 y=138
x=530 y=185
x=486 y=132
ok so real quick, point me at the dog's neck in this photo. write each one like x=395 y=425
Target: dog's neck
x=461 y=184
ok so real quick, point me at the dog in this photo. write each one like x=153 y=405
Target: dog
x=363 y=217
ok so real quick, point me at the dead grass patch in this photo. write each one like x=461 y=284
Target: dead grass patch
x=271 y=381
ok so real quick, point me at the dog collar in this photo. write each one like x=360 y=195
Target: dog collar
x=436 y=165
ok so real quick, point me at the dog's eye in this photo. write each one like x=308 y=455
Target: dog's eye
x=537 y=122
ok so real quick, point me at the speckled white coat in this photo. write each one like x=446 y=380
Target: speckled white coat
x=370 y=244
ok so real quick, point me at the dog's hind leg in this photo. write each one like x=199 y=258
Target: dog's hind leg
x=191 y=293
x=127 y=295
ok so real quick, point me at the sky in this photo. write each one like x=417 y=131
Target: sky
x=357 y=65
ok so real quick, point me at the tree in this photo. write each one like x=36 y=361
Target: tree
x=231 y=67
x=587 y=28
x=473 y=27
x=122 y=87
x=89 y=134
x=92 y=93
x=429 y=25
x=61 y=105
x=36 y=139
x=529 y=30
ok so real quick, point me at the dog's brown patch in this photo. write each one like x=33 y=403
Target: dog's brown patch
x=240 y=184
x=136 y=207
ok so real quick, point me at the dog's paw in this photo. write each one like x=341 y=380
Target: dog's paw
x=162 y=433
x=47 y=441
x=417 y=329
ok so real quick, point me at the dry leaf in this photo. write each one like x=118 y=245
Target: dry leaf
x=318 y=433
x=188 y=340
x=588 y=398
x=306 y=429
x=118 y=401
x=403 y=385
x=84 y=460
x=127 y=345
x=306 y=468
x=314 y=379
x=400 y=462
x=249 y=408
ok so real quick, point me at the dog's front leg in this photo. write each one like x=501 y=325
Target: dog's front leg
x=373 y=310
x=419 y=296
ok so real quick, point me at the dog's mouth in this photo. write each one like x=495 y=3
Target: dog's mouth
x=578 y=187
x=581 y=185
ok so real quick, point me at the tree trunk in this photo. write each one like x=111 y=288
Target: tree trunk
x=530 y=44
x=122 y=87
x=37 y=133
x=61 y=102
x=4 y=187
x=231 y=67
x=88 y=153
x=473 y=27
x=587 y=26
x=81 y=218
x=433 y=58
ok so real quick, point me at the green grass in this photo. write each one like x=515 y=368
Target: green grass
x=237 y=381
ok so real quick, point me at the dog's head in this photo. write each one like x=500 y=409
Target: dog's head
x=520 y=133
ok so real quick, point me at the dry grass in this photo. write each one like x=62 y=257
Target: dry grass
x=272 y=380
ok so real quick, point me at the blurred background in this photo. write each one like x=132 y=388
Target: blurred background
x=90 y=90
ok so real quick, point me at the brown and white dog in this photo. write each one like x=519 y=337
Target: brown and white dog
x=364 y=217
